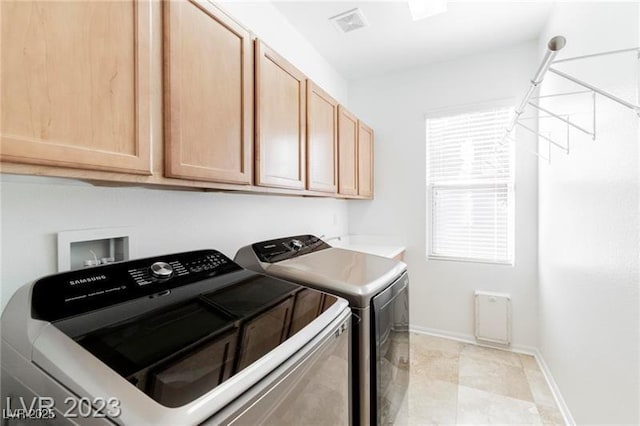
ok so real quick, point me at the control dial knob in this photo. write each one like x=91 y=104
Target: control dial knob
x=161 y=270
x=296 y=245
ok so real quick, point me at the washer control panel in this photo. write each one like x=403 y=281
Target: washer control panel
x=75 y=292
x=162 y=271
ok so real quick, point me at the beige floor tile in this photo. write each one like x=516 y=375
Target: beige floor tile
x=539 y=389
x=491 y=354
x=432 y=402
x=494 y=376
x=435 y=365
x=479 y=407
x=494 y=386
x=425 y=342
x=550 y=415
x=529 y=362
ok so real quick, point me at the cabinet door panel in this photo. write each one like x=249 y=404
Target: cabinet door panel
x=347 y=152
x=75 y=84
x=280 y=121
x=322 y=140
x=365 y=160
x=208 y=94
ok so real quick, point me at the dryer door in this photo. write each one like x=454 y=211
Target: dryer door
x=391 y=371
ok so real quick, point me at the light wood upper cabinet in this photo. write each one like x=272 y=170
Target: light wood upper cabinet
x=365 y=160
x=76 y=101
x=322 y=140
x=208 y=94
x=280 y=121
x=347 y=152
x=75 y=84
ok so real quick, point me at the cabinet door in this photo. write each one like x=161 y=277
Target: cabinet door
x=365 y=160
x=347 y=152
x=322 y=140
x=280 y=121
x=208 y=94
x=75 y=84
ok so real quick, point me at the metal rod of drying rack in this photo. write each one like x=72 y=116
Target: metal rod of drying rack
x=599 y=91
x=593 y=55
x=553 y=47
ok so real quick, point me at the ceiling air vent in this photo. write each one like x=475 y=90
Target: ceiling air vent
x=350 y=20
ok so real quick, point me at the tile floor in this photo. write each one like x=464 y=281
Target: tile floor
x=457 y=383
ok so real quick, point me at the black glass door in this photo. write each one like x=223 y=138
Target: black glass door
x=391 y=369
x=178 y=353
x=174 y=355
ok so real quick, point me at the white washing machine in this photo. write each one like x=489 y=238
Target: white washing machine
x=377 y=289
x=181 y=339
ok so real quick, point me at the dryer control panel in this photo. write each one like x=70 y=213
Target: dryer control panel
x=273 y=251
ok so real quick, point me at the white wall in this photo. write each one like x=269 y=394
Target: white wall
x=395 y=106
x=35 y=209
x=589 y=227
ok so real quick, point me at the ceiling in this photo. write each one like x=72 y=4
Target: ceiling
x=393 y=41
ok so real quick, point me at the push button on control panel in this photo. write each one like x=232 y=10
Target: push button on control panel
x=141 y=276
x=208 y=263
x=178 y=269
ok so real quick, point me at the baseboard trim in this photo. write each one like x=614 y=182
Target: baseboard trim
x=523 y=349
x=468 y=338
x=555 y=390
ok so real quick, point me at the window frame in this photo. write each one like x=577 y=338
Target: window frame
x=429 y=187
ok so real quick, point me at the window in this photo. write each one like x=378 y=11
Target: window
x=470 y=180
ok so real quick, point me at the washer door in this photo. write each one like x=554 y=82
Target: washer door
x=310 y=388
x=391 y=370
x=174 y=355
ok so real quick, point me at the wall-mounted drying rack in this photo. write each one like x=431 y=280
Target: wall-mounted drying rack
x=553 y=47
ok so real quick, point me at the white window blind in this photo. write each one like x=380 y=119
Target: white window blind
x=470 y=187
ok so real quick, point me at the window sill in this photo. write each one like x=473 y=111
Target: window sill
x=468 y=260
